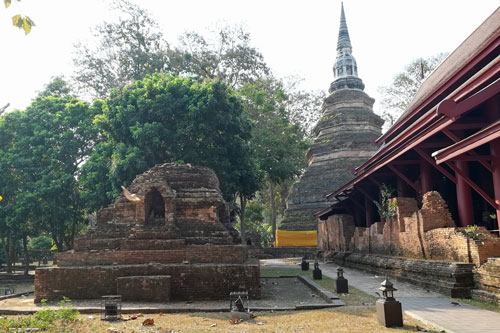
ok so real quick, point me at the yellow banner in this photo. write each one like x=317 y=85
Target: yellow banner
x=296 y=238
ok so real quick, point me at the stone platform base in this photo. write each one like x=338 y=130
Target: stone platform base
x=449 y=278
x=187 y=282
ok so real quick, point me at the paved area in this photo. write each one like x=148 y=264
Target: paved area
x=429 y=307
x=275 y=296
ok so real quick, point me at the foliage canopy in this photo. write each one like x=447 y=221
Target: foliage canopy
x=170 y=119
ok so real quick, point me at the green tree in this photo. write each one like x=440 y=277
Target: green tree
x=47 y=144
x=9 y=185
x=278 y=144
x=39 y=245
x=398 y=95
x=170 y=119
x=256 y=223
x=126 y=51
x=58 y=86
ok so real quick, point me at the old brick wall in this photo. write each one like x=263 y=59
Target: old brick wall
x=487 y=276
x=428 y=233
x=290 y=252
x=190 y=281
x=154 y=288
x=335 y=233
x=452 y=279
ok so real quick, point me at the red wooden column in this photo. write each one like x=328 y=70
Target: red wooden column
x=493 y=111
x=464 y=196
x=425 y=177
x=495 y=159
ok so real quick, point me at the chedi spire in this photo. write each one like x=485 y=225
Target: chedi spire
x=343 y=42
x=345 y=69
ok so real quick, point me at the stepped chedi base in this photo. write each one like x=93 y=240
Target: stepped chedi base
x=169 y=236
x=343 y=139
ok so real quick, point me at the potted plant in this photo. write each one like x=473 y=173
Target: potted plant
x=387 y=205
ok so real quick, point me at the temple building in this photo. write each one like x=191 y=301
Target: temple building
x=343 y=139
x=438 y=171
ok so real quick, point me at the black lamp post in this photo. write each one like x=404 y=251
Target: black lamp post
x=342 y=286
x=389 y=311
x=304 y=265
x=317 y=274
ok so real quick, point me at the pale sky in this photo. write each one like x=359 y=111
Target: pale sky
x=295 y=37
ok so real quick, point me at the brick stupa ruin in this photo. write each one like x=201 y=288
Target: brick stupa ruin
x=171 y=239
x=344 y=139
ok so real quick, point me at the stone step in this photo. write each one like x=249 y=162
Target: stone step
x=87 y=244
x=154 y=234
x=152 y=244
x=224 y=254
x=200 y=240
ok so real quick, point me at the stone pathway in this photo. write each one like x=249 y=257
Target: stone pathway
x=431 y=308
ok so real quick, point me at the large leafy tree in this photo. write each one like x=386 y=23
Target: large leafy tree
x=398 y=95
x=47 y=144
x=9 y=184
x=127 y=50
x=170 y=119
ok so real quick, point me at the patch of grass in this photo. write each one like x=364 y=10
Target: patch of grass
x=277 y=272
x=480 y=304
x=355 y=297
x=45 y=319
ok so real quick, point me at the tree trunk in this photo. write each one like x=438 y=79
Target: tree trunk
x=273 y=210
x=26 y=256
x=284 y=192
x=8 y=254
x=73 y=232
x=59 y=242
x=243 y=204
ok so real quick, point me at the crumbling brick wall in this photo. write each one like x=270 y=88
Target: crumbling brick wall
x=427 y=233
x=188 y=282
x=336 y=232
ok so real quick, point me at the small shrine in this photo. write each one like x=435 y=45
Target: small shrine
x=167 y=237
